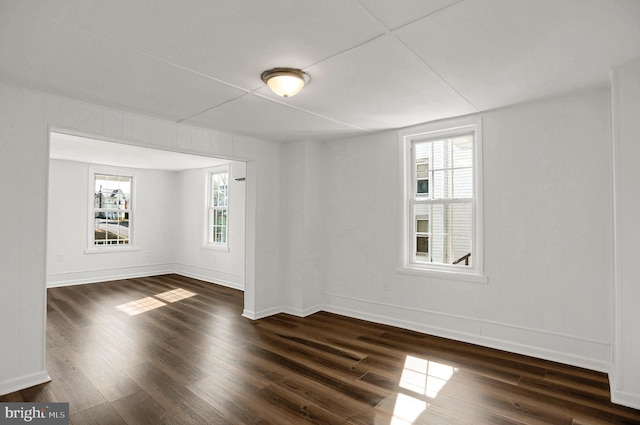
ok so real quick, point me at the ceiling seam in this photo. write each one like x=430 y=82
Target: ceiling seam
x=140 y=52
x=309 y=112
x=278 y=102
x=392 y=32
x=435 y=12
x=436 y=73
x=333 y=55
x=211 y=108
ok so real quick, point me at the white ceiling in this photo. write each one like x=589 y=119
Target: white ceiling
x=374 y=64
x=82 y=149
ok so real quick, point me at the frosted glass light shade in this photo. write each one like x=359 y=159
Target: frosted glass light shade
x=285 y=82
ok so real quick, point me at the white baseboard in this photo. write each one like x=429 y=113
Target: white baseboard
x=256 y=315
x=486 y=336
x=286 y=310
x=555 y=346
x=620 y=396
x=105 y=275
x=625 y=398
x=22 y=382
x=481 y=340
x=302 y=313
x=211 y=276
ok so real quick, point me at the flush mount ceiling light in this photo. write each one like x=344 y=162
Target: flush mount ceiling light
x=285 y=82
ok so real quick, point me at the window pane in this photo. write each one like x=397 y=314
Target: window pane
x=462 y=183
x=112 y=203
x=459 y=218
x=442 y=187
x=219 y=234
x=224 y=199
x=449 y=169
x=219 y=200
x=112 y=192
x=442 y=211
x=220 y=217
x=219 y=189
x=461 y=250
x=422 y=152
x=110 y=231
x=443 y=231
x=462 y=150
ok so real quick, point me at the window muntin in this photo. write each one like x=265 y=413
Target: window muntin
x=112 y=210
x=441 y=201
x=218 y=208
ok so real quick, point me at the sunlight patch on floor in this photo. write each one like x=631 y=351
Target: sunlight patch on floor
x=149 y=303
x=140 y=306
x=175 y=295
x=424 y=379
x=407 y=410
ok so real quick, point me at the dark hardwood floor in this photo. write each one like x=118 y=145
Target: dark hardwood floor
x=195 y=360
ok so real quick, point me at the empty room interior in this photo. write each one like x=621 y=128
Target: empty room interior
x=329 y=212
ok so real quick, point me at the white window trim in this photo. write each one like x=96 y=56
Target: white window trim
x=103 y=249
x=215 y=246
x=475 y=273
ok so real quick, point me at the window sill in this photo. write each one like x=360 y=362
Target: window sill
x=443 y=274
x=111 y=249
x=216 y=247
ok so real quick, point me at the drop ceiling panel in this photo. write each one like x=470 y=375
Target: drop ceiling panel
x=290 y=33
x=394 y=15
x=64 y=60
x=501 y=52
x=229 y=40
x=380 y=85
x=257 y=117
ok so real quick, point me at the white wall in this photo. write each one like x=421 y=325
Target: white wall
x=547 y=244
x=302 y=227
x=626 y=129
x=68 y=216
x=193 y=258
x=26 y=118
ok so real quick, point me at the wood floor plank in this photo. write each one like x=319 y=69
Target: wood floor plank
x=198 y=361
x=102 y=414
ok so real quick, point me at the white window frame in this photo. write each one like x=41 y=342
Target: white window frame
x=408 y=264
x=109 y=171
x=208 y=232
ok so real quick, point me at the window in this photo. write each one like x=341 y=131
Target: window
x=112 y=210
x=218 y=207
x=441 y=177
